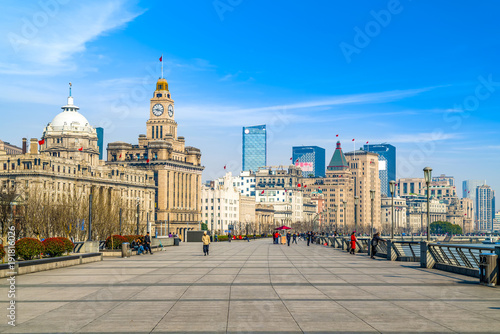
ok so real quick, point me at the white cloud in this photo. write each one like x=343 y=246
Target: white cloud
x=418 y=137
x=303 y=111
x=45 y=39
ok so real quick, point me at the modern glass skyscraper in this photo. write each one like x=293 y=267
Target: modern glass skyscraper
x=386 y=164
x=254 y=147
x=311 y=159
x=485 y=203
x=469 y=191
x=100 y=142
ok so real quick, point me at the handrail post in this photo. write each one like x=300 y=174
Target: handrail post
x=391 y=255
x=426 y=259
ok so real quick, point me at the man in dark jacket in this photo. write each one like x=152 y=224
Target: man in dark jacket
x=147 y=244
x=375 y=240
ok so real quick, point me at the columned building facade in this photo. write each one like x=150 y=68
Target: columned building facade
x=177 y=168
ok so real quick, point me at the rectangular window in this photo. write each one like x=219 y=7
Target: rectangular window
x=161 y=131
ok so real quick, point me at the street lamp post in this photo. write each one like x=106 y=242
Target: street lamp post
x=137 y=215
x=335 y=214
x=356 y=201
x=90 y=216
x=392 y=186
x=428 y=178
x=372 y=198
x=345 y=217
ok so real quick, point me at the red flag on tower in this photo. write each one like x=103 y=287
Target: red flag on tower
x=41 y=142
x=80 y=149
x=367 y=142
x=224 y=166
x=353 y=139
x=161 y=58
x=336 y=135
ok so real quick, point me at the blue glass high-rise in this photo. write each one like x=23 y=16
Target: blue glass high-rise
x=386 y=164
x=100 y=142
x=254 y=147
x=311 y=159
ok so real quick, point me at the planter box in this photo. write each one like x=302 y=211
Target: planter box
x=33 y=266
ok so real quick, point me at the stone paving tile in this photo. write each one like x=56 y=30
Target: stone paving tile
x=253 y=287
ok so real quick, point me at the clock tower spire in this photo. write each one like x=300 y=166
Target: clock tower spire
x=161 y=124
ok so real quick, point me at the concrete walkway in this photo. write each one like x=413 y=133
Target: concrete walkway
x=250 y=287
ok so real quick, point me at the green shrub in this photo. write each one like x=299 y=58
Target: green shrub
x=133 y=237
x=68 y=244
x=116 y=243
x=53 y=247
x=222 y=237
x=28 y=248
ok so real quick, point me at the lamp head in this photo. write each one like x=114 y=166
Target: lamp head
x=428 y=174
x=392 y=187
x=372 y=194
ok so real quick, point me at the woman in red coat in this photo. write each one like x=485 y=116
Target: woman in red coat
x=353 y=243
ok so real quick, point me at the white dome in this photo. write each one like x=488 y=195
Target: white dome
x=70 y=120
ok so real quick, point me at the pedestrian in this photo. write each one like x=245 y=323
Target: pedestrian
x=294 y=238
x=206 y=242
x=308 y=236
x=353 y=243
x=139 y=247
x=375 y=240
x=147 y=244
x=288 y=238
x=229 y=237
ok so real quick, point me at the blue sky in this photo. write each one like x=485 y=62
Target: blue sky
x=421 y=75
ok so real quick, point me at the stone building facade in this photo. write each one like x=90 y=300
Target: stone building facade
x=177 y=168
x=63 y=169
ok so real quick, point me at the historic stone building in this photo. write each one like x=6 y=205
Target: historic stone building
x=364 y=168
x=63 y=169
x=177 y=167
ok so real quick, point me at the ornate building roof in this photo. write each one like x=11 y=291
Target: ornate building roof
x=338 y=161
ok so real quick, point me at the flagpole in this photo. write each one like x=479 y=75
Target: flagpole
x=162 y=65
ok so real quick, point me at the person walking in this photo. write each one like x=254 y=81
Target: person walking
x=375 y=241
x=206 y=242
x=308 y=236
x=229 y=236
x=288 y=238
x=353 y=243
x=294 y=238
x=147 y=244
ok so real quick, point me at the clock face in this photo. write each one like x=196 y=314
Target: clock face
x=170 y=110
x=157 y=109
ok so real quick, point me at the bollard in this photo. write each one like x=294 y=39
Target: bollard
x=125 y=249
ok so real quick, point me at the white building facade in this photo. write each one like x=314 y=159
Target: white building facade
x=220 y=202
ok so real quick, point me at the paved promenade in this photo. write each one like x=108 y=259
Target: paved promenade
x=250 y=287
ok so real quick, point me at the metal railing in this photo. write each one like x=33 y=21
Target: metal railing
x=406 y=250
x=77 y=246
x=455 y=257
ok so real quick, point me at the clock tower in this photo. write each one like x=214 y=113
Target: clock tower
x=161 y=123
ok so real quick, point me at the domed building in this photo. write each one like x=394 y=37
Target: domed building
x=58 y=176
x=70 y=136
